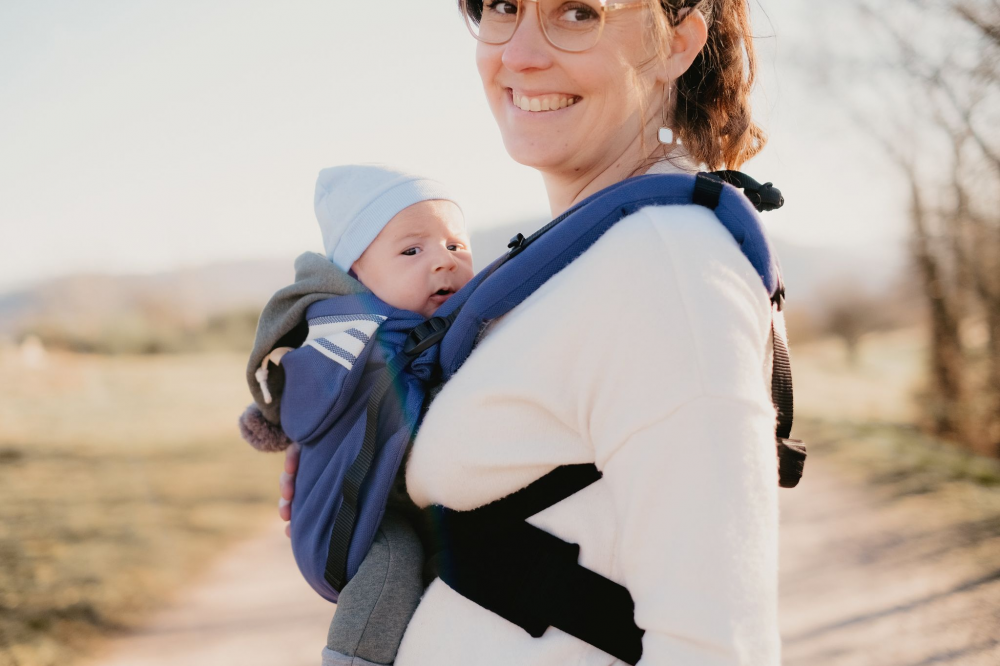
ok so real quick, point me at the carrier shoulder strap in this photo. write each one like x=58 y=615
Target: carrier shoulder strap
x=507 y=283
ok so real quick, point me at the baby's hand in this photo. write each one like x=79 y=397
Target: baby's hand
x=286 y=485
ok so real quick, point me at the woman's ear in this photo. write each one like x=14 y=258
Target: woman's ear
x=688 y=39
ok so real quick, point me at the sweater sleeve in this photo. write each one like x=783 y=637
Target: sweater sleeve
x=697 y=543
x=683 y=430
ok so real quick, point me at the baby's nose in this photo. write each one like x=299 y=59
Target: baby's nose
x=445 y=260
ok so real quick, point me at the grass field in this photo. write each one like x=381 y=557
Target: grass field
x=119 y=479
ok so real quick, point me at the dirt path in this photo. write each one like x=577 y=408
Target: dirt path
x=869 y=576
x=251 y=608
x=888 y=575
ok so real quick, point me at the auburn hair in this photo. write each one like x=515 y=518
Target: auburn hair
x=712 y=114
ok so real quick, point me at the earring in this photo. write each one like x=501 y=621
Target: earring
x=666 y=134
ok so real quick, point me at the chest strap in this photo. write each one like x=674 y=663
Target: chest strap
x=529 y=577
x=532 y=578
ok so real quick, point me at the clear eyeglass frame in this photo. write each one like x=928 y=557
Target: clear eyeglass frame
x=606 y=8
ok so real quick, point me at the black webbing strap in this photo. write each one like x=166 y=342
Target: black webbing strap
x=707 y=191
x=343 y=525
x=554 y=487
x=529 y=577
x=791 y=452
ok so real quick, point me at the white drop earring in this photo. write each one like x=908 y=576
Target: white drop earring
x=666 y=134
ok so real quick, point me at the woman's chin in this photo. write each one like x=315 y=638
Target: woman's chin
x=538 y=155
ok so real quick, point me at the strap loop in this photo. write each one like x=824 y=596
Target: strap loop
x=764 y=198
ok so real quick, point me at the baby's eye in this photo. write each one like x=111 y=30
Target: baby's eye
x=411 y=251
x=454 y=247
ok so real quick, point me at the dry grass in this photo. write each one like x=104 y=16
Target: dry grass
x=120 y=478
x=879 y=387
x=866 y=414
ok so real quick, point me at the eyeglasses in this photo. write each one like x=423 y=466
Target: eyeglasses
x=568 y=25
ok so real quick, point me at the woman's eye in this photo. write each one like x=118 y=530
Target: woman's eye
x=502 y=7
x=577 y=13
x=411 y=251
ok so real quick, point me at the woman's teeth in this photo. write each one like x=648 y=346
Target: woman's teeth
x=543 y=103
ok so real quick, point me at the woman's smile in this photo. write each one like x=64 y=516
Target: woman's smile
x=540 y=102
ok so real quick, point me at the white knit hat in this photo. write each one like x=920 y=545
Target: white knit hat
x=354 y=203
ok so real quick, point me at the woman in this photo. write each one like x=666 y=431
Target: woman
x=648 y=355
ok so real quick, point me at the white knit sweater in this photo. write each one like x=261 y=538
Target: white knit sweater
x=650 y=356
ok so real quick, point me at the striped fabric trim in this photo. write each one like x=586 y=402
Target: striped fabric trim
x=358 y=334
x=342 y=338
x=334 y=349
x=336 y=319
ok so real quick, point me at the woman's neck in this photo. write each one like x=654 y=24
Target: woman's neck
x=566 y=188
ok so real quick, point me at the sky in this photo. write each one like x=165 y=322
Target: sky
x=142 y=135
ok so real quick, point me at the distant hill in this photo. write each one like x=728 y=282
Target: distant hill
x=192 y=295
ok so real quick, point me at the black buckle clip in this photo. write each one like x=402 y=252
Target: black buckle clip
x=426 y=335
x=779 y=297
x=791 y=461
x=515 y=241
x=765 y=198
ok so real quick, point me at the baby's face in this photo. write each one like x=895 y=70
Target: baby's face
x=419 y=259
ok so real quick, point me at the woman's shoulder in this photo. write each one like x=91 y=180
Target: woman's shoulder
x=682 y=245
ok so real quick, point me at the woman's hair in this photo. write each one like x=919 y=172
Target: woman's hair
x=712 y=114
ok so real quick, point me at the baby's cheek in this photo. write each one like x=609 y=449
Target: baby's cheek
x=417 y=301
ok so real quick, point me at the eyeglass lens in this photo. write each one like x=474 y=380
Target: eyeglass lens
x=571 y=25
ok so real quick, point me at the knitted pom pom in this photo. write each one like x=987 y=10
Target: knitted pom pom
x=260 y=433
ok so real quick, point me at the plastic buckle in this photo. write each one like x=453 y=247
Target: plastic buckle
x=779 y=297
x=769 y=198
x=791 y=461
x=426 y=335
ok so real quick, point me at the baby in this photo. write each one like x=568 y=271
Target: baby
x=403 y=238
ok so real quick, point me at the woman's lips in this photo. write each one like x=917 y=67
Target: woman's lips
x=541 y=103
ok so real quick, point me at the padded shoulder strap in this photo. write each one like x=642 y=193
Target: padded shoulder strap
x=507 y=283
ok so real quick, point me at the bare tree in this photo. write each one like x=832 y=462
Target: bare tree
x=923 y=81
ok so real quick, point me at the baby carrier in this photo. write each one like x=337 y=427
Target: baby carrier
x=490 y=555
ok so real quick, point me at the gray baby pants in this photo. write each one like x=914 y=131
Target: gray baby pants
x=374 y=608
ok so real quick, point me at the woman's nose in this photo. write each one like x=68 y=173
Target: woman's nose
x=527 y=49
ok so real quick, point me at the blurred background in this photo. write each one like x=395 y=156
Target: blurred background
x=157 y=164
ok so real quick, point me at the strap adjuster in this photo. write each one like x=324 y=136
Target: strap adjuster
x=426 y=335
x=779 y=297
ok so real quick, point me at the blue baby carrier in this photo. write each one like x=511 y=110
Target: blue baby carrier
x=492 y=555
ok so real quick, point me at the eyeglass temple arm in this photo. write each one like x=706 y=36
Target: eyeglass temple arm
x=615 y=6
